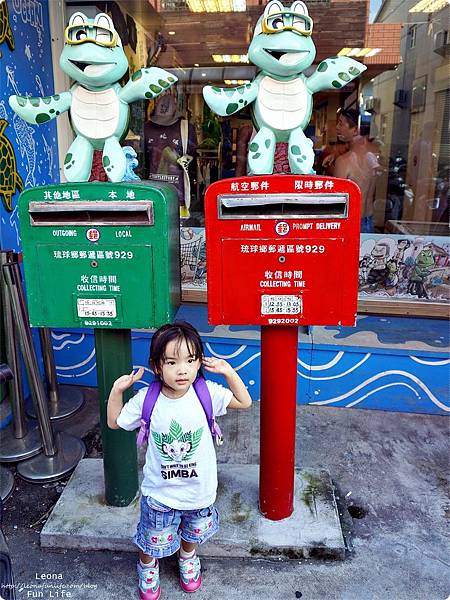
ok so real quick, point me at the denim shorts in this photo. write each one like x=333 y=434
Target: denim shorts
x=160 y=527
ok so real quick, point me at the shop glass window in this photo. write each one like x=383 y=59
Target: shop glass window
x=398 y=155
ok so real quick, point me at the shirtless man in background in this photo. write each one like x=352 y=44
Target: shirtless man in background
x=359 y=163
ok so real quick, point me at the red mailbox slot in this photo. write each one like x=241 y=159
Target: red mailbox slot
x=282 y=250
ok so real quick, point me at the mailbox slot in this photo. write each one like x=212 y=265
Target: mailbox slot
x=51 y=213
x=275 y=206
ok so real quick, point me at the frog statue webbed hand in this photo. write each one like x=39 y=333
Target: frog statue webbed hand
x=282 y=48
x=98 y=105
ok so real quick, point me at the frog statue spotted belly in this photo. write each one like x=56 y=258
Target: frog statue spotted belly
x=98 y=105
x=281 y=94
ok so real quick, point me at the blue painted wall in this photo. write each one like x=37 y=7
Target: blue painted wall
x=395 y=364
x=27 y=70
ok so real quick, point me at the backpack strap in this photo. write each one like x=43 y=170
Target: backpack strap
x=202 y=391
x=147 y=408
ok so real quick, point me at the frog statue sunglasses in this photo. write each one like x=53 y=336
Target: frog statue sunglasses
x=80 y=34
x=287 y=21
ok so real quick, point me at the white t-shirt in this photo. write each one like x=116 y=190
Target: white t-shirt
x=180 y=468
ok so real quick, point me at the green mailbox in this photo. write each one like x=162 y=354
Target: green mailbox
x=101 y=255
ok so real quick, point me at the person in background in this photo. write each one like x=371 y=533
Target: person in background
x=359 y=163
x=326 y=157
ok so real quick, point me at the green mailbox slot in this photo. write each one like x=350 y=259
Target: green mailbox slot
x=101 y=255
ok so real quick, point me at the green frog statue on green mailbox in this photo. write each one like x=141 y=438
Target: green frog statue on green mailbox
x=282 y=49
x=98 y=105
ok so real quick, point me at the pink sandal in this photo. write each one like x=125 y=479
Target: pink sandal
x=190 y=573
x=149 y=588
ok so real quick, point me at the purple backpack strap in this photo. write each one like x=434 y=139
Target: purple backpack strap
x=202 y=391
x=147 y=408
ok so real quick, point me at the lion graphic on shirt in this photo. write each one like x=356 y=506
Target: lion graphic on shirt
x=177 y=445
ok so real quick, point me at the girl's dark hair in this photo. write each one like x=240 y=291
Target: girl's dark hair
x=179 y=330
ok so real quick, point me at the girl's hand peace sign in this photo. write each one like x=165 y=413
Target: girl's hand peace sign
x=126 y=381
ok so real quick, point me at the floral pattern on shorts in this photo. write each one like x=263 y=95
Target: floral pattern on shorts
x=160 y=527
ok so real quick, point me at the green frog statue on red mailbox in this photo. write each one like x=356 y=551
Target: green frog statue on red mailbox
x=282 y=48
x=98 y=105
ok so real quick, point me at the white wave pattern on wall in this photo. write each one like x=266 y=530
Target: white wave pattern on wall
x=246 y=362
x=382 y=387
x=239 y=351
x=431 y=363
x=60 y=336
x=226 y=356
x=334 y=361
x=73 y=376
x=75 y=342
x=363 y=360
x=368 y=381
x=78 y=365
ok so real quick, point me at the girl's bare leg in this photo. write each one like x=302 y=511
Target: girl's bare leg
x=188 y=547
x=145 y=558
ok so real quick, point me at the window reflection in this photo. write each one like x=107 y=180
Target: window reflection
x=398 y=152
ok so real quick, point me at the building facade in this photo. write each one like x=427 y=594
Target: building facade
x=403 y=149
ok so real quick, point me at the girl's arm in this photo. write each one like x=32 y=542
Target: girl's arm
x=241 y=398
x=115 y=400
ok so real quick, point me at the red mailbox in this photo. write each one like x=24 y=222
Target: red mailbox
x=282 y=250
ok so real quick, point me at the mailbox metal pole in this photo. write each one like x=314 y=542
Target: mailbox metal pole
x=64 y=400
x=12 y=355
x=21 y=439
x=6 y=478
x=6 y=483
x=113 y=356
x=61 y=452
x=278 y=415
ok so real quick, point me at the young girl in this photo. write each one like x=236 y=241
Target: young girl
x=180 y=471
